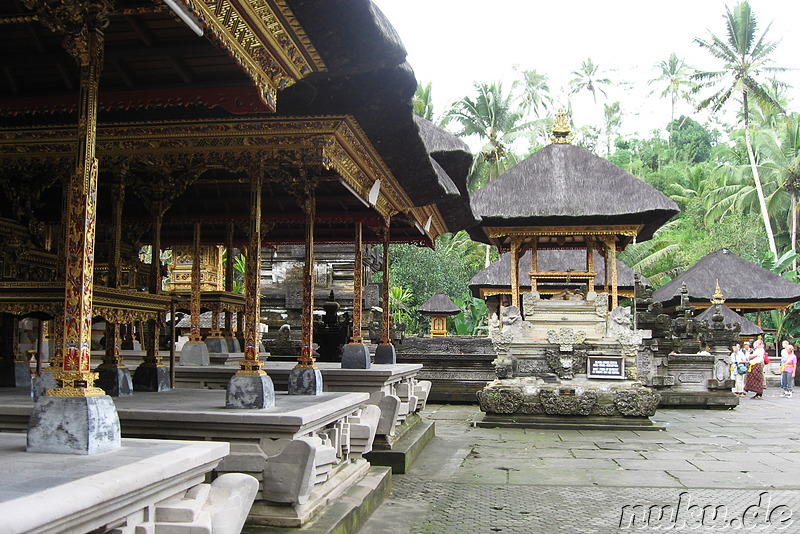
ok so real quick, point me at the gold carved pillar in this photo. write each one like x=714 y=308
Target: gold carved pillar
x=75 y=375
x=251 y=363
x=358 y=269
x=515 y=247
x=534 y=263
x=194 y=306
x=228 y=327
x=306 y=359
x=590 y=263
x=112 y=358
x=611 y=262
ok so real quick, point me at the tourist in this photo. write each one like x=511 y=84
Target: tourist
x=747 y=349
x=788 y=366
x=738 y=369
x=754 y=381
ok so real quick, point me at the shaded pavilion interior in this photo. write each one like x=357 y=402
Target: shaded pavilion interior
x=286 y=122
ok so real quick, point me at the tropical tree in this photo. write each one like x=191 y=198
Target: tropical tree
x=743 y=56
x=675 y=81
x=587 y=78
x=612 y=118
x=535 y=92
x=423 y=104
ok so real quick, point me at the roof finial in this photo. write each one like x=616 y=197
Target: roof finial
x=717 y=297
x=561 y=129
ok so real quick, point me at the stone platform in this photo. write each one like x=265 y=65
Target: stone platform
x=305 y=451
x=132 y=489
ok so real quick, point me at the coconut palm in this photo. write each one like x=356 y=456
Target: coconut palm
x=675 y=78
x=743 y=56
x=535 y=92
x=587 y=79
x=612 y=118
x=423 y=104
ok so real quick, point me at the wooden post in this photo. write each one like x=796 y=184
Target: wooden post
x=515 y=272
x=590 y=263
x=534 y=263
x=386 y=338
x=358 y=268
x=306 y=359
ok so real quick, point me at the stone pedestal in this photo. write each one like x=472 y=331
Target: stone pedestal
x=148 y=377
x=250 y=391
x=385 y=354
x=130 y=345
x=42 y=382
x=217 y=344
x=74 y=425
x=233 y=344
x=115 y=381
x=194 y=353
x=356 y=356
x=305 y=381
x=48 y=348
x=22 y=374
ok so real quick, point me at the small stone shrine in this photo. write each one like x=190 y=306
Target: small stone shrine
x=332 y=331
x=438 y=308
x=566 y=361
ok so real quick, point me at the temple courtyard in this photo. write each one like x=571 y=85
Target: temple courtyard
x=471 y=479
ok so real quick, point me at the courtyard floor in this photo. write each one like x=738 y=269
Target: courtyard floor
x=709 y=471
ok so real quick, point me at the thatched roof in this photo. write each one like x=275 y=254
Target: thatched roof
x=562 y=184
x=730 y=317
x=740 y=281
x=498 y=274
x=439 y=304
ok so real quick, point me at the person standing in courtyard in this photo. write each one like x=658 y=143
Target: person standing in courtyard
x=738 y=369
x=754 y=381
x=788 y=367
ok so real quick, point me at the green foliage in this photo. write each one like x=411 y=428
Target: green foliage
x=689 y=140
x=399 y=300
x=470 y=321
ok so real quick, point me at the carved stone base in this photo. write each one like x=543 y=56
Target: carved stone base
x=233 y=344
x=22 y=374
x=217 y=344
x=115 y=381
x=305 y=381
x=194 y=353
x=151 y=378
x=385 y=354
x=356 y=356
x=250 y=392
x=74 y=425
x=43 y=382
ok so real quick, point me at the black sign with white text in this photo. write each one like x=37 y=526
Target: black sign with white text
x=606 y=367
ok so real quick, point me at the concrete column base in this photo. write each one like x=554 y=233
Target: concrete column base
x=74 y=425
x=385 y=354
x=233 y=344
x=42 y=382
x=305 y=381
x=151 y=378
x=250 y=392
x=194 y=353
x=48 y=348
x=22 y=374
x=115 y=381
x=356 y=356
x=217 y=344
x=130 y=345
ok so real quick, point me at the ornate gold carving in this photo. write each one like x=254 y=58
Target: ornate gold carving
x=629 y=230
x=75 y=384
x=70 y=16
x=561 y=128
x=717 y=297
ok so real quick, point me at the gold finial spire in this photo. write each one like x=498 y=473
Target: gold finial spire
x=717 y=296
x=561 y=129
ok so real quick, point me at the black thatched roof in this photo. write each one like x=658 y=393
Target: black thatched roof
x=740 y=281
x=439 y=304
x=562 y=184
x=730 y=317
x=498 y=274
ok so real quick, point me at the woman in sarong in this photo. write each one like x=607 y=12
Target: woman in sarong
x=754 y=381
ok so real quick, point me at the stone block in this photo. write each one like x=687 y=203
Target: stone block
x=183 y=508
x=43 y=382
x=356 y=356
x=233 y=344
x=305 y=381
x=194 y=353
x=149 y=377
x=289 y=476
x=74 y=425
x=216 y=345
x=115 y=381
x=251 y=392
x=230 y=500
x=422 y=389
x=390 y=411
x=22 y=374
x=385 y=354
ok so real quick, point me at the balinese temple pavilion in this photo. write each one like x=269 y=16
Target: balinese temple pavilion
x=133 y=127
x=565 y=197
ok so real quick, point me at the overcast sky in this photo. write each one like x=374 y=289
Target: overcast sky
x=452 y=43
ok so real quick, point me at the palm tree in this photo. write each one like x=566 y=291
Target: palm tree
x=743 y=56
x=423 y=104
x=586 y=79
x=612 y=118
x=675 y=77
x=535 y=92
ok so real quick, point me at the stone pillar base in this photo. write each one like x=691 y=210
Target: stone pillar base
x=74 y=425
x=42 y=382
x=217 y=344
x=194 y=353
x=48 y=348
x=233 y=344
x=385 y=354
x=305 y=381
x=151 y=378
x=130 y=345
x=356 y=356
x=251 y=392
x=22 y=374
x=115 y=381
